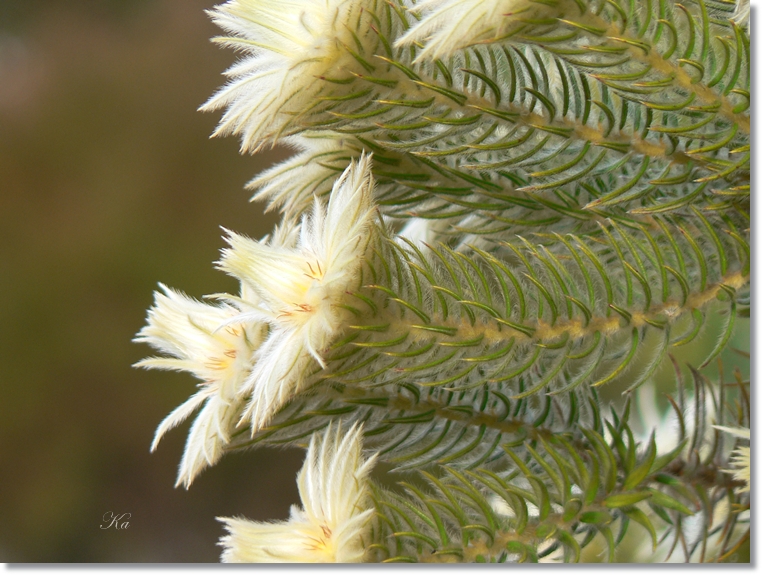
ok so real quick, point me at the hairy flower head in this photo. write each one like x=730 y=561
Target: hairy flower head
x=288 y=47
x=301 y=289
x=448 y=25
x=189 y=333
x=740 y=459
x=330 y=527
x=292 y=185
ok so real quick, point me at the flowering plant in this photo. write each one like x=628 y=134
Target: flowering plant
x=496 y=211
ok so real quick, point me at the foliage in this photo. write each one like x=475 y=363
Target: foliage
x=564 y=205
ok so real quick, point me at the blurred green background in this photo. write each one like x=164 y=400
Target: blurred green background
x=108 y=185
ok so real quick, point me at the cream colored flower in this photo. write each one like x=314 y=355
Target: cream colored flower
x=292 y=184
x=288 y=47
x=740 y=459
x=301 y=289
x=188 y=331
x=331 y=527
x=449 y=25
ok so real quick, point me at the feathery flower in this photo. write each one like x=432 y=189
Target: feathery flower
x=740 y=459
x=301 y=289
x=449 y=25
x=331 y=526
x=187 y=331
x=289 y=45
x=292 y=184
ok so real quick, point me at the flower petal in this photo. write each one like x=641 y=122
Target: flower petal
x=276 y=377
x=277 y=275
x=333 y=485
x=207 y=438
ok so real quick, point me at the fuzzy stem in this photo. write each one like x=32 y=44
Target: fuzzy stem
x=494 y=333
x=595 y=134
x=706 y=475
x=680 y=78
x=446 y=412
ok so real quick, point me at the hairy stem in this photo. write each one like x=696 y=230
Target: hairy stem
x=493 y=333
x=680 y=78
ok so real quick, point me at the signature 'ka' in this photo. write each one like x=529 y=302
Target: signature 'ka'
x=511 y=280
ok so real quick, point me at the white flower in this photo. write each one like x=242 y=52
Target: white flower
x=741 y=457
x=289 y=47
x=331 y=526
x=293 y=183
x=301 y=289
x=187 y=331
x=448 y=25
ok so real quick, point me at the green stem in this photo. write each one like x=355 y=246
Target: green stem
x=493 y=333
x=649 y=56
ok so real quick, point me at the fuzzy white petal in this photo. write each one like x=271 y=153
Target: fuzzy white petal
x=292 y=184
x=186 y=330
x=204 y=340
x=288 y=46
x=301 y=288
x=178 y=415
x=338 y=236
x=277 y=376
x=331 y=526
x=448 y=25
x=275 y=274
x=741 y=432
x=740 y=458
x=741 y=461
x=207 y=437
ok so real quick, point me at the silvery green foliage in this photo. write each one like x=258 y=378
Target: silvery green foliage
x=569 y=185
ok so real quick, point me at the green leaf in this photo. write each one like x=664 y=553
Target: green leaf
x=570 y=543
x=639 y=517
x=663 y=460
x=663 y=500
x=571 y=509
x=596 y=517
x=637 y=475
x=625 y=499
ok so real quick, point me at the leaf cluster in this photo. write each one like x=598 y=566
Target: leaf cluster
x=584 y=182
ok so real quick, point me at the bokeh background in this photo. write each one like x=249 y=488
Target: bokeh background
x=109 y=184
